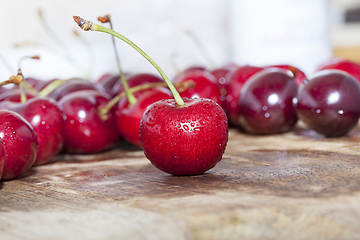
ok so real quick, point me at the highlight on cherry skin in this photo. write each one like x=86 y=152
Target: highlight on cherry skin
x=329 y=102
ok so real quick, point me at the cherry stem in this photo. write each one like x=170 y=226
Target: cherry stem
x=201 y=47
x=105 y=110
x=51 y=87
x=132 y=99
x=88 y=25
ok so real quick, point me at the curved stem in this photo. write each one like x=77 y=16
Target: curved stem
x=87 y=25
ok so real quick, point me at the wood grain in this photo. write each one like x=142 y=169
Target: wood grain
x=297 y=185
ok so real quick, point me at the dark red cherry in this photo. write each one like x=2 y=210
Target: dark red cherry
x=128 y=116
x=46 y=118
x=86 y=131
x=73 y=85
x=13 y=95
x=40 y=85
x=222 y=73
x=204 y=85
x=348 y=66
x=236 y=80
x=299 y=76
x=20 y=144
x=329 y=102
x=2 y=158
x=266 y=102
x=135 y=80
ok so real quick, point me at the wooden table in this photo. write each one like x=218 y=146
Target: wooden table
x=297 y=185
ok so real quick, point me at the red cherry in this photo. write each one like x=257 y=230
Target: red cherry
x=135 y=80
x=222 y=73
x=14 y=94
x=299 y=76
x=20 y=144
x=184 y=140
x=236 y=80
x=2 y=158
x=73 y=85
x=329 y=102
x=348 y=66
x=204 y=85
x=266 y=102
x=104 y=77
x=46 y=118
x=128 y=117
x=85 y=130
x=42 y=84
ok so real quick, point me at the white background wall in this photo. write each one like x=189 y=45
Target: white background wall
x=157 y=26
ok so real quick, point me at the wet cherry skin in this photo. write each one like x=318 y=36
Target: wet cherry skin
x=266 y=102
x=85 y=130
x=47 y=119
x=20 y=144
x=128 y=117
x=185 y=140
x=236 y=80
x=346 y=65
x=329 y=102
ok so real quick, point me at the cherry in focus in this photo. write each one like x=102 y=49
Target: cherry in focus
x=186 y=140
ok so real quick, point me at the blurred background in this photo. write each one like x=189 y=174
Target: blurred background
x=303 y=33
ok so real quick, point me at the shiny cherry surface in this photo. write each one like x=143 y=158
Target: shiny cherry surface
x=128 y=116
x=348 y=66
x=46 y=118
x=329 y=102
x=185 y=140
x=20 y=144
x=73 y=85
x=204 y=85
x=266 y=102
x=236 y=80
x=85 y=130
x=299 y=76
x=135 y=80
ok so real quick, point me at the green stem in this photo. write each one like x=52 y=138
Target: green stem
x=87 y=25
x=132 y=99
x=23 y=97
x=51 y=87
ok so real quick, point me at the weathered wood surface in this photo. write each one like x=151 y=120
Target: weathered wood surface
x=297 y=185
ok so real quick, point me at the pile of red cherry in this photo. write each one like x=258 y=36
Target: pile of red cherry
x=257 y=100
